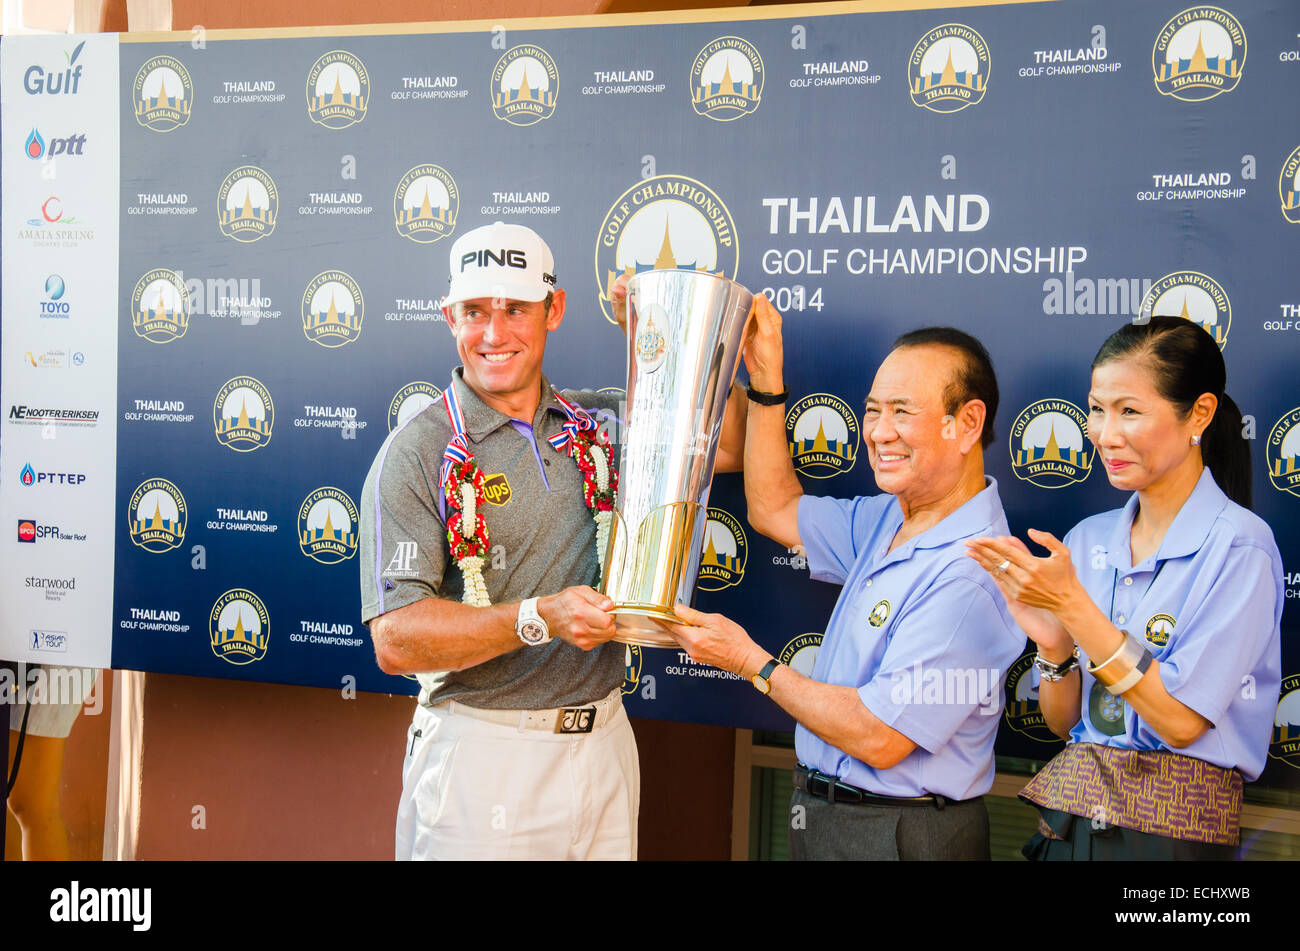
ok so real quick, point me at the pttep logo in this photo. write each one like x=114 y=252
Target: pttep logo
x=1199 y=54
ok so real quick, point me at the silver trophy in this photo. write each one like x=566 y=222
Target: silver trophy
x=685 y=332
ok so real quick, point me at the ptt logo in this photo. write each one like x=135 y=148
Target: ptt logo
x=64 y=80
x=36 y=147
x=409 y=401
x=1199 y=54
x=30 y=477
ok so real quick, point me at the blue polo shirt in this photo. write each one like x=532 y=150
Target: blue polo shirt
x=1209 y=604
x=922 y=632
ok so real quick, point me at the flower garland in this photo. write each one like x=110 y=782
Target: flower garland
x=463 y=490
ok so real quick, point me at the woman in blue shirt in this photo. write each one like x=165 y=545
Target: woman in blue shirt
x=1158 y=624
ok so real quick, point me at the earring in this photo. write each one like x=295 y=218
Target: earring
x=1196 y=440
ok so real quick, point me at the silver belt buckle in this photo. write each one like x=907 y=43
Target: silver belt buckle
x=576 y=720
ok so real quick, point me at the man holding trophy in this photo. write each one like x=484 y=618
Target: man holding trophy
x=519 y=746
x=895 y=743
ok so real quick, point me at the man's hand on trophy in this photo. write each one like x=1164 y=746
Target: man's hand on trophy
x=580 y=615
x=618 y=300
x=764 y=350
x=713 y=639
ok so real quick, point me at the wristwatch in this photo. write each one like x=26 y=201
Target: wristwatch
x=767 y=399
x=530 y=626
x=1053 y=672
x=760 y=679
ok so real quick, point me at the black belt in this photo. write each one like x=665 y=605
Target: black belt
x=835 y=790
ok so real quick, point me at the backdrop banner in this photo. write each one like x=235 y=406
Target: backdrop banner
x=223 y=254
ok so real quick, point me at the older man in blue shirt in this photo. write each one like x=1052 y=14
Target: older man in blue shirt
x=896 y=725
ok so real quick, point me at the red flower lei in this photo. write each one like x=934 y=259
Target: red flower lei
x=476 y=545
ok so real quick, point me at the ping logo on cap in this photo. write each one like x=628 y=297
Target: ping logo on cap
x=485 y=258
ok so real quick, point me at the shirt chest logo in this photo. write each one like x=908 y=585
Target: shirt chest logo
x=1159 y=627
x=496 y=489
x=879 y=614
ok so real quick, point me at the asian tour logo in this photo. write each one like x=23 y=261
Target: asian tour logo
x=668 y=221
x=1049 y=444
x=726 y=79
x=1199 y=54
x=1022 y=711
x=409 y=401
x=327 y=526
x=823 y=434
x=156 y=516
x=1288 y=187
x=949 y=69
x=726 y=550
x=332 y=309
x=160 y=306
x=162 y=94
x=1195 y=296
x=1283 y=450
x=239 y=627
x=426 y=203
x=338 y=90
x=525 y=85
x=1286 y=724
x=247 y=204
x=800 y=654
x=243 y=414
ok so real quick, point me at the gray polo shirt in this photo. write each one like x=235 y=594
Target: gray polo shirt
x=542 y=536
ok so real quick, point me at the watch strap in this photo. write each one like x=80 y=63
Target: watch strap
x=767 y=399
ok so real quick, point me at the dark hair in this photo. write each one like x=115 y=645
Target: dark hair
x=974 y=378
x=1185 y=362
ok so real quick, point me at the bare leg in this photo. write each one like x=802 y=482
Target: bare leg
x=35 y=797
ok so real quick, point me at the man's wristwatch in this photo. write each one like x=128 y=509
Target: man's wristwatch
x=530 y=626
x=760 y=679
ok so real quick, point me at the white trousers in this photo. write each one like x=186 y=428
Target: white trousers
x=472 y=789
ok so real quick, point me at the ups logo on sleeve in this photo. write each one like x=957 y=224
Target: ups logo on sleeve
x=496 y=489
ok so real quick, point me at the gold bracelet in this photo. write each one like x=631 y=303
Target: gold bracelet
x=1124 y=668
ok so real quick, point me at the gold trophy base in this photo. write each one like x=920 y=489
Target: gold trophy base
x=645 y=625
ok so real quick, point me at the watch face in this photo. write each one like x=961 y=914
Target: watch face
x=761 y=685
x=532 y=632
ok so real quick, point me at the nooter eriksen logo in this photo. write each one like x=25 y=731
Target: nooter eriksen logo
x=247 y=204
x=160 y=306
x=239 y=627
x=823 y=434
x=668 y=221
x=1194 y=296
x=948 y=69
x=726 y=79
x=409 y=401
x=163 y=94
x=243 y=414
x=726 y=550
x=338 y=90
x=327 y=526
x=525 y=85
x=156 y=516
x=1049 y=444
x=426 y=203
x=332 y=309
x=1199 y=54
